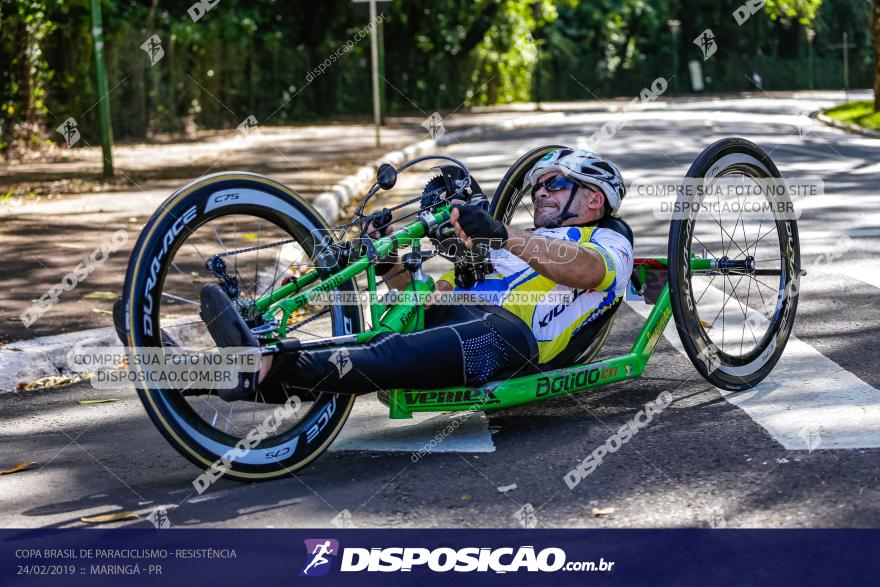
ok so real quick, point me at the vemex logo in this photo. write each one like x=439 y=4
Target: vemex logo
x=317 y=552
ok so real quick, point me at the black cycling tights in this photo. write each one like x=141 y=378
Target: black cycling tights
x=461 y=345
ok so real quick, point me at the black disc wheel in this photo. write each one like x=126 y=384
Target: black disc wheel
x=265 y=235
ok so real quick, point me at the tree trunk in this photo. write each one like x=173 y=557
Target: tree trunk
x=28 y=69
x=876 y=55
x=151 y=80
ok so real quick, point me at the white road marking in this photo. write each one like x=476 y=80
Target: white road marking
x=369 y=428
x=807 y=398
x=861 y=272
x=864 y=270
x=660 y=243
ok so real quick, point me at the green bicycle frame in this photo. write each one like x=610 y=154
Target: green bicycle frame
x=404 y=317
x=399 y=318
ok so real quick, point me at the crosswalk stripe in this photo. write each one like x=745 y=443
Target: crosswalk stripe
x=866 y=271
x=808 y=401
x=369 y=429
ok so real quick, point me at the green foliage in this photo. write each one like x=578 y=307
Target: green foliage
x=447 y=53
x=804 y=11
x=596 y=46
x=860 y=113
x=298 y=60
x=507 y=55
x=24 y=27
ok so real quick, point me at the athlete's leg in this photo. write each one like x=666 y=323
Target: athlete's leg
x=462 y=346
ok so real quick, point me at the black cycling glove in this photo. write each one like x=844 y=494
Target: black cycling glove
x=477 y=223
x=381 y=222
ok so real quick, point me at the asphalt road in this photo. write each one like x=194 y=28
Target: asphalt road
x=711 y=459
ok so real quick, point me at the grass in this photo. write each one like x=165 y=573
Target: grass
x=860 y=113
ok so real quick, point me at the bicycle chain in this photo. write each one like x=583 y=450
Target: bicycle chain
x=255 y=248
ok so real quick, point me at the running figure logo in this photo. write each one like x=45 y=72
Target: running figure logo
x=341 y=361
x=706 y=42
x=153 y=48
x=317 y=551
x=70 y=131
x=434 y=125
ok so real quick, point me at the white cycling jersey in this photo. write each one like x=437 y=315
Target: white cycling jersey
x=520 y=289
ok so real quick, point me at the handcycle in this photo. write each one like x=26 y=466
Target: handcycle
x=217 y=228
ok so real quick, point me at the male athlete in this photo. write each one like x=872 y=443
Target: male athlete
x=578 y=247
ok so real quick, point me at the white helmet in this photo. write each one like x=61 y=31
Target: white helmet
x=585 y=167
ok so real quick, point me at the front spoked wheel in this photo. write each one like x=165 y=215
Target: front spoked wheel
x=264 y=235
x=734 y=264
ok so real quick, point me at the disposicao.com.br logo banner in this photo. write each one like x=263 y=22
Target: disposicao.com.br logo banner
x=321 y=552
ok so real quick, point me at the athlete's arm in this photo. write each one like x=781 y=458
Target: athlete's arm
x=561 y=261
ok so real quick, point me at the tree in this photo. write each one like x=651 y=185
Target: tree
x=448 y=53
x=23 y=29
x=804 y=11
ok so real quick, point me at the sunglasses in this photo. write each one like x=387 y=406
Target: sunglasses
x=553 y=184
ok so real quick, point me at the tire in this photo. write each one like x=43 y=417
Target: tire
x=734 y=162
x=217 y=198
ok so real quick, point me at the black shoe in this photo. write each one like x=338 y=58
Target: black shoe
x=122 y=330
x=167 y=341
x=228 y=329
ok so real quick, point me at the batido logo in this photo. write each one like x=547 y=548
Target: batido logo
x=318 y=553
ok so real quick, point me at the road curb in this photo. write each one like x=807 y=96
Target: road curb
x=332 y=202
x=28 y=360
x=845 y=126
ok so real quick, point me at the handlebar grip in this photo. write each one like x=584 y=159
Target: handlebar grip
x=290 y=345
x=445 y=231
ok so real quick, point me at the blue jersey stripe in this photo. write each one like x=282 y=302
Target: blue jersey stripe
x=606 y=301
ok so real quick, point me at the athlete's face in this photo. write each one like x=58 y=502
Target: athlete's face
x=587 y=204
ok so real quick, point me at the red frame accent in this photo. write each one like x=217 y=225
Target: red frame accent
x=639 y=261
